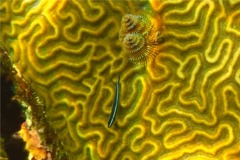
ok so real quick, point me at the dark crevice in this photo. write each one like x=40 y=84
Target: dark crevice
x=11 y=120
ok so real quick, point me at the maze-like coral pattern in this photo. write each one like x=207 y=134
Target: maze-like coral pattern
x=183 y=105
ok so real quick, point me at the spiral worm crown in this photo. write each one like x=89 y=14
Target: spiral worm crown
x=135 y=35
x=134 y=24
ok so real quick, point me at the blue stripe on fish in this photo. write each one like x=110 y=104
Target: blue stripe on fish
x=115 y=105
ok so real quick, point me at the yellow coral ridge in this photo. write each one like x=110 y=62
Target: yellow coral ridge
x=184 y=104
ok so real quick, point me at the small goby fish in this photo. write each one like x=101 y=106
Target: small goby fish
x=115 y=105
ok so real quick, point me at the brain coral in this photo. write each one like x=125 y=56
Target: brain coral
x=184 y=104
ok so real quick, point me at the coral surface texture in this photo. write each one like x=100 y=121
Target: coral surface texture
x=183 y=104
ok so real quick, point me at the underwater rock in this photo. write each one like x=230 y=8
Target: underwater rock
x=41 y=140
